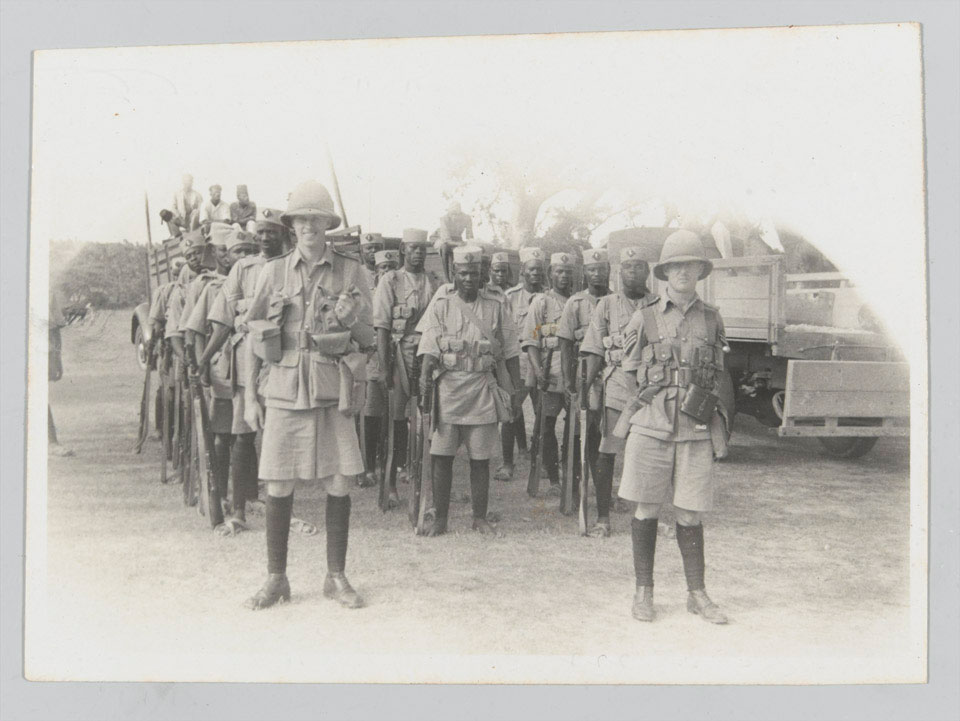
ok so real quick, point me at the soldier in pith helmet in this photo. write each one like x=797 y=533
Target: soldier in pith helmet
x=466 y=333
x=401 y=298
x=674 y=351
x=319 y=300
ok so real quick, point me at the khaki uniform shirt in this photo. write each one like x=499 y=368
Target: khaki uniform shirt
x=545 y=310
x=221 y=366
x=685 y=330
x=232 y=301
x=465 y=396
x=300 y=299
x=611 y=316
x=519 y=299
x=401 y=288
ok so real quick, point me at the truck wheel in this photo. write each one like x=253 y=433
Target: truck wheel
x=141 y=347
x=848 y=447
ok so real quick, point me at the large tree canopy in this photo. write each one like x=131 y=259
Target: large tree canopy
x=106 y=275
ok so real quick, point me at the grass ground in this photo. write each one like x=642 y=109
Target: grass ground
x=808 y=556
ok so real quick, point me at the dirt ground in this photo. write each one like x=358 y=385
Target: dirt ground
x=808 y=556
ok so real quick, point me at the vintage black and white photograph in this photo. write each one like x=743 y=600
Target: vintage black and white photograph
x=589 y=358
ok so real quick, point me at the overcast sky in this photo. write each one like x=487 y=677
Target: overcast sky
x=817 y=128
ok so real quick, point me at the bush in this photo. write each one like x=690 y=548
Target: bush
x=106 y=275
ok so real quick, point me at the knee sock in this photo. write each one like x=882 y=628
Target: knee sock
x=338 y=531
x=507 y=437
x=690 y=540
x=479 y=487
x=603 y=482
x=644 y=549
x=442 y=481
x=278 y=514
x=371 y=435
x=549 y=449
x=520 y=431
x=221 y=462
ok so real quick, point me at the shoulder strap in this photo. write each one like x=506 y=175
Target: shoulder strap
x=484 y=329
x=651 y=324
x=710 y=322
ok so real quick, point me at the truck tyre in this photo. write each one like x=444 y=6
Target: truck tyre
x=141 y=346
x=848 y=446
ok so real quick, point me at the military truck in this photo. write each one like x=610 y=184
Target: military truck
x=807 y=356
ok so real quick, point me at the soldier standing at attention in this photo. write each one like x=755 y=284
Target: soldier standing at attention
x=229 y=245
x=320 y=299
x=228 y=307
x=465 y=333
x=538 y=337
x=399 y=303
x=158 y=344
x=603 y=346
x=518 y=299
x=675 y=348
x=574 y=321
x=375 y=405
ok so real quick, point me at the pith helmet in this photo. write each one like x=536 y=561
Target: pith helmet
x=311 y=198
x=683 y=246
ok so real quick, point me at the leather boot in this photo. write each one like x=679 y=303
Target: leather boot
x=699 y=603
x=276 y=589
x=643 y=604
x=337 y=587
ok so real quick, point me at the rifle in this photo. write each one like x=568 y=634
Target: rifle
x=415 y=439
x=566 y=489
x=387 y=454
x=533 y=480
x=423 y=495
x=584 y=460
x=207 y=493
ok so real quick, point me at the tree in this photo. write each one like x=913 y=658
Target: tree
x=106 y=275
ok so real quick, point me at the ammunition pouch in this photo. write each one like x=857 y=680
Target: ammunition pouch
x=457 y=354
x=699 y=403
x=550 y=343
x=265 y=336
x=353 y=383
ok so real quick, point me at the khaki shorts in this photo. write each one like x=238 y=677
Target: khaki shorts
x=656 y=471
x=308 y=444
x=609 y=443
x=480 y=440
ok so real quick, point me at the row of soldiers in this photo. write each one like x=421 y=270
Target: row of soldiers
x=301 y=337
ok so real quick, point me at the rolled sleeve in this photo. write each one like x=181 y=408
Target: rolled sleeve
x=509 y=336
x=174 y=309
x=528 y=331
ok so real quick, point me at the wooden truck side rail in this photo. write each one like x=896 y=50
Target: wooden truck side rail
x=846 y=398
